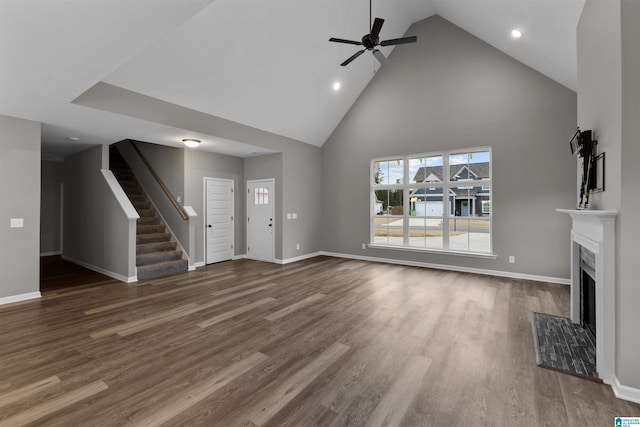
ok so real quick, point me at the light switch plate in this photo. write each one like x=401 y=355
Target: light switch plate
x=16 y=223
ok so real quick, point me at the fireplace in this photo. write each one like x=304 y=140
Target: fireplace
x=588 y=291
x=593 y=282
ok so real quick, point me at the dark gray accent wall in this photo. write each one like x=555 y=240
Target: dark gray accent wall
x=449 y=91
x=50 y=191
x=198 y=165
x=609 y=104
x=20 y=189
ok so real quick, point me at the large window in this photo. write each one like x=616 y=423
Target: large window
x=436 y=201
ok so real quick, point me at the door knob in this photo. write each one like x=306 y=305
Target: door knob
x=209 y=226
x=270 y=225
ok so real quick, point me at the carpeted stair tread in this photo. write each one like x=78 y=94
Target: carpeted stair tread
x=142 y=239
x=145 y=248
x=148 y=220
x=150 y=229
x=157 y=257
x=146 y=272
x=146 y=212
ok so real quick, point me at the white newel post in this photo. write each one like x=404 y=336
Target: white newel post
x=595 y=231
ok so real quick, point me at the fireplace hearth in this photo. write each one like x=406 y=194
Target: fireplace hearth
x=593 y=282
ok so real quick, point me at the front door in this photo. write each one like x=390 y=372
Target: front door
x=260 y=219
x=219 y=219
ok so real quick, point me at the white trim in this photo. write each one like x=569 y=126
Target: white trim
x=121 y=197
x=20 y=297
x=298 y=258
x=51 y=253
x=102 y=270
x=198 y=264
x=241 y=256
x=509 y=274
x=625 y=392
x=433 y=251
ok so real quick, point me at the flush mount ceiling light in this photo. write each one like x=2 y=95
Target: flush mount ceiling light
x=73 y=138
x=516 y=34
x=336 y=86
x=191 y=143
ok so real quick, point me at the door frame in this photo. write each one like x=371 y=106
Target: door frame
x=204 y=216
x=273 y=213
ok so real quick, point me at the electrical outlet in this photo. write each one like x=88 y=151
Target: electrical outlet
x=297 y=246
x=16 y=223
x=294 y=215
x=288 y=216
x=512 y=259
x=364 y=246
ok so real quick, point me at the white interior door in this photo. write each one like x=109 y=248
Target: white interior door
x=218 y=219
x=260 y=219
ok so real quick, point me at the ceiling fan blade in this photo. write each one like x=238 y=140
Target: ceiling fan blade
x=401 y=40
x=333 y=39
x=377 y=26
x=352 y=57
x=380 y=57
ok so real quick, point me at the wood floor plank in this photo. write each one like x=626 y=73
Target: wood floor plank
x=295 y=384
x=49 y=407
x=396 y=401
x=28 y=390
x=295 y=306
x=233 y=313
x=194 y=395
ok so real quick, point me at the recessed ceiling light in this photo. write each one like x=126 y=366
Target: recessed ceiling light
x=73 y=138
x=516 y=34
x=336 y=86
x=191 y=143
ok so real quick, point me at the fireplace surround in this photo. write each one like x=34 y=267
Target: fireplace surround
x=594 y=231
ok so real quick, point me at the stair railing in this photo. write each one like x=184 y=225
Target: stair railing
x=164 y=188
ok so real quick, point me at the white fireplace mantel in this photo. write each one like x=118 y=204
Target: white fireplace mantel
x=595 y=231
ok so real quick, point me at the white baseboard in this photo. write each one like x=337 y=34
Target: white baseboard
x=50 y=253
x=197 y=264
x=625 y=392
x=101 y=270
x=547 y=279
x=241 y=256
x=20 y=297
x=298 y=258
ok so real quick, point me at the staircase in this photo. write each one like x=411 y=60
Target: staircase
x=156 y=254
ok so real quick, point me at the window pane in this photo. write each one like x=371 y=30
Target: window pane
x=426 y=202
x=426 y=169
x=470 y=166
x=388 y=231
x=459 y=234
x=388 y=172
x=261 y=196
x=479 y=235
x=391 y=202
x=425 y=233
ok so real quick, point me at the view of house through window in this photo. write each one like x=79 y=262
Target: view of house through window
x=439 y=201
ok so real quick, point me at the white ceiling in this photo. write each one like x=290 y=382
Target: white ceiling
x=261 y=63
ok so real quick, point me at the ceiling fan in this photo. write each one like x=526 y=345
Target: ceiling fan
x=371 y=40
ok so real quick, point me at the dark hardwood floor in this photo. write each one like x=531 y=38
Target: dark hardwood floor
x=325 y=341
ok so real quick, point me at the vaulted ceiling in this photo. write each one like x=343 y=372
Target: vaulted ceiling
x=266 y=64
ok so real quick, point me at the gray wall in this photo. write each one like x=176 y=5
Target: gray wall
x=20 y=189
x=96 y=230
x=609 y=103
x=51 y=179
x=198 y=165
x=169 y=164
x=450 y=91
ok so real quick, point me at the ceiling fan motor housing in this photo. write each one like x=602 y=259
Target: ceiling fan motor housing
x=369 y=42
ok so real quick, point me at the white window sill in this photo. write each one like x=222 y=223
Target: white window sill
x=434 y=251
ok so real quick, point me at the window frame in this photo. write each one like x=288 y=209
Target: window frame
x=446 y=184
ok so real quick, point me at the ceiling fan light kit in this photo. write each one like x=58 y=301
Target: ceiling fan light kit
x=372 y=40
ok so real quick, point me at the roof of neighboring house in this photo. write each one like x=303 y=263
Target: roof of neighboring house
x=480 y=170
